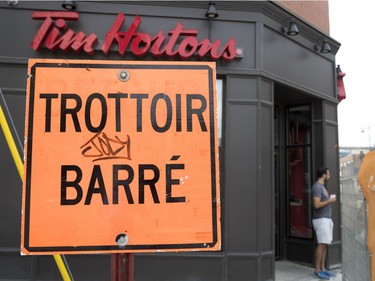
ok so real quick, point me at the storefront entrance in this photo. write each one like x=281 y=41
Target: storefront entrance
x=293 y=174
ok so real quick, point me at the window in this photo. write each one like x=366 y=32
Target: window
x=299 y=171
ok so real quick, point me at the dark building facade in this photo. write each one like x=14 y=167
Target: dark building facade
x=278 y=102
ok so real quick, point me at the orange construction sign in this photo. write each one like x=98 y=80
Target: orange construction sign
x=120 y=156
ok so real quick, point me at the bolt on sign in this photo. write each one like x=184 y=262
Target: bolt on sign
x=120 y=156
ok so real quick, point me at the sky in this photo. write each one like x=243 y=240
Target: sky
x=352 y=23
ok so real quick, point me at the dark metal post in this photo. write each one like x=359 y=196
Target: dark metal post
x=122 y=267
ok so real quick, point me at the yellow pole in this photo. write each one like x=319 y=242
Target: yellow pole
x=61 y=265
x=19 y=164
x=12 y=145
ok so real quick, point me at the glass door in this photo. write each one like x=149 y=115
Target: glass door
x=298 y=152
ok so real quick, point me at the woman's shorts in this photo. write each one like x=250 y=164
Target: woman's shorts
x=323 y=228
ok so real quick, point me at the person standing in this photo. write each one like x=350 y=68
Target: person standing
x=322 y=222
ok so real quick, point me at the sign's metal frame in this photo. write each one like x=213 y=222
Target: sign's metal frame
x=213 y=244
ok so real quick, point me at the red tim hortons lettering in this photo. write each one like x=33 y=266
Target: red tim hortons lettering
x=49 y=33
x=141 y=43
x=122 y=38
x=54 y=34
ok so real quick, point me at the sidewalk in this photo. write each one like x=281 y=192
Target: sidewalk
x=288 y=271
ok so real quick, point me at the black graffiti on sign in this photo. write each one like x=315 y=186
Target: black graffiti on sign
x=102 y=147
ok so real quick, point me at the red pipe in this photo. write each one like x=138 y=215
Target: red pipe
x=122 y=267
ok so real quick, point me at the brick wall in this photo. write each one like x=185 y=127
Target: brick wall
x=314 y=12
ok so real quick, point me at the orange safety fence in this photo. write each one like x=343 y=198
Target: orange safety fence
x=366 y=180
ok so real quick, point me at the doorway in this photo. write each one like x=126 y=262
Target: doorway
x=293 y=174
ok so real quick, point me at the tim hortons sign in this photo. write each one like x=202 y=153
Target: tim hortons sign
x=54 y=33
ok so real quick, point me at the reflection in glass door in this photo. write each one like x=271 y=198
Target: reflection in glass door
x=298 y=150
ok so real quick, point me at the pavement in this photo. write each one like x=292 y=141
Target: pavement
x=289 y=271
